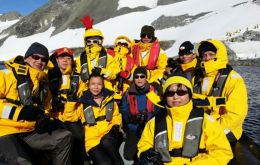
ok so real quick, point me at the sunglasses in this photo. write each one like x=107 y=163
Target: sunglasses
x=140 y=76
x=124 y=44
x=43 y=59
x=178 y=92
x=146 y=35
x=93 y=41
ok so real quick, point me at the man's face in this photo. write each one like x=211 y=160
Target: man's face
x=187 y=58
x=37 y=61
x=146 y=38
x=208 y=55
x=64 y=61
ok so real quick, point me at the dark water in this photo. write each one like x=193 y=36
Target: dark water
x=251 y=125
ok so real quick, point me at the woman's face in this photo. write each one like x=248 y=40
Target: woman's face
x=177 y=95
x=95 y=85
x=140 y=80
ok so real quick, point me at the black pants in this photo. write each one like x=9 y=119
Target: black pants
x=56 y=145
x=130 y=148
x=78 y=148
x=106 y=153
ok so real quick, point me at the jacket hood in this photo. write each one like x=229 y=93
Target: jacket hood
x=221 y=60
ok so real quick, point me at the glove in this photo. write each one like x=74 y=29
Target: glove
x=140 y=118
x=58 y=104
x=124 y=74
x=96 y=70
x=115 y=130
x=29 y=113
x=150 y=157
x=44 y=124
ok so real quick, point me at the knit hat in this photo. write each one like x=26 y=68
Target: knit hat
x=146 y=29
x=206 y=46
x=140 y=69
x=177 y=78
x=186 y=48
x=37 y=48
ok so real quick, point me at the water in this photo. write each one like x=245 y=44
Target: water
x=251 y=125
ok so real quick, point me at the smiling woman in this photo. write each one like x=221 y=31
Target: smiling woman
x=24 y=7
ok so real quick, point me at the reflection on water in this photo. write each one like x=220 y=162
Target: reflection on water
x=251 y=76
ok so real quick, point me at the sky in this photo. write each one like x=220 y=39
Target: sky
x=212 y=25
x=24 y=7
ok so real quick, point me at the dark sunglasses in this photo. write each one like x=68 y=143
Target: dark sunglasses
x=146 y=35
x=178 y=92
x=43 y=59
x=140 y=76
x=123 y=44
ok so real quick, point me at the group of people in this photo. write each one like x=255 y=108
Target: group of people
x=55 y=109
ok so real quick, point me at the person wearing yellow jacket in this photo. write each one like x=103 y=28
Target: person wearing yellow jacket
x=103 y=122
x=24 y=102
x=183 y=134
x=220 y=80
x=95 y=57
x=188 y=60
x=147 y=52
x=66 y=89
x=122 y=53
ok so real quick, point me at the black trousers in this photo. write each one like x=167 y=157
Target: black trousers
x=78 y=146
x=130 y=148
x=22 y=147
x=107 y=152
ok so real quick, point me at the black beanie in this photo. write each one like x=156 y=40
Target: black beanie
x=37 y=48
x=186 y=48
x=140 y=69
x=206 y=46
x=146 y=29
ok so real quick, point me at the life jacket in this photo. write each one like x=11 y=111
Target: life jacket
x=216 y=89
x=102 y=62
x=24 y=86
x=132 y=100
x=192 y=136
x=153 y=55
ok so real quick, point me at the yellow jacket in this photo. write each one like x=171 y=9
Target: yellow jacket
x=93 y=134
x=212 y=139
x=8 y=89
x=111 y=70
x=189 y=68
x=232 y=115
x=161 y=63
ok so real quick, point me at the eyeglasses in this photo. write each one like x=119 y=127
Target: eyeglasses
x=93 y=41
x=146 y=35
x=140 y=76
x=124 y=44
x=43 y=59
x=178 y=92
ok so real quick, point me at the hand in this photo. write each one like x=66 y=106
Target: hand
x=44 y=124
x=141 y=118
x=150 y=157
x=29 y=113
x=115 y=130
x=96 y=70
x=124 y=74
x=58 y=104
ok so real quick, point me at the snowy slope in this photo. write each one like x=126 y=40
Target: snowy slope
x=223 y=17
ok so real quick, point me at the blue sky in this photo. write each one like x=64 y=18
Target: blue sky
x=24 y=7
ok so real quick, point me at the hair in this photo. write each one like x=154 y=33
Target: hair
x=96 y=75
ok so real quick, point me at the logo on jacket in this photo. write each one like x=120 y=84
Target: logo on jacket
x=190 y=137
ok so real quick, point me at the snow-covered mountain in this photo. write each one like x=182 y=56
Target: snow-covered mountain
x=235 y=22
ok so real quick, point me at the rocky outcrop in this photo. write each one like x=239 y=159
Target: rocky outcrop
x=10 y=16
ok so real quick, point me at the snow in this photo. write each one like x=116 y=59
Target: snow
x=224 y=16
x=137 y=3
x=6 y=24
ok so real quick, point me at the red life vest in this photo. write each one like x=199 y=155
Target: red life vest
x=134 y=105
x=153 y=55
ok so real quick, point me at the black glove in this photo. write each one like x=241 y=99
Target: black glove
x=58 y=104
x=44 y=124
x=115 y=130
x=150 y=157
x=96 y=71
x=29 y=113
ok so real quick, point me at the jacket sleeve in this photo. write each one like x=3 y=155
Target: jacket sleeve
x=124 y=108
x=157 y=73
x=117 y=117
x=112 y=68
x=218 y=148
x=147 y=141
x=236 y=103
